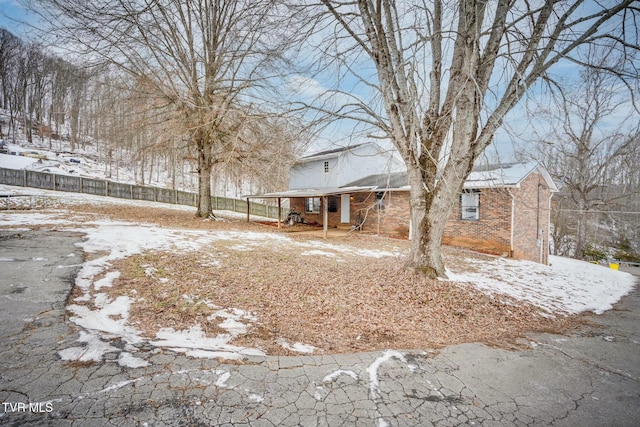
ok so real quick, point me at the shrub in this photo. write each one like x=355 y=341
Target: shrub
x=627 y=255
x=592 y=254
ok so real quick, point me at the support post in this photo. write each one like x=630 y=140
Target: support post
x=248 y=210
x=325 y=216
x=279 y=211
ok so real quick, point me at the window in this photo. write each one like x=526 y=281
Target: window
x=326 y=167
x=332 y=204
x=380 y=200
x=470 y=205
x=312 y=204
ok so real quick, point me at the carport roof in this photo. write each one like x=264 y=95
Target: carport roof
x=310 y=192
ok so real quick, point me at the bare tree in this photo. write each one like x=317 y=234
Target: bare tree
x=10 y=52
x=446 y=75
x=589 y=162
x=10 y=47
x=204 y=59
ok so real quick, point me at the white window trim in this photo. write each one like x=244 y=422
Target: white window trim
x=470 y=205
x=314 y=205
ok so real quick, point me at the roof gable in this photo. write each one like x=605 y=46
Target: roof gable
x=506 y=175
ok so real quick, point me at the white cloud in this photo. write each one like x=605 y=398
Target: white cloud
x=305 y=87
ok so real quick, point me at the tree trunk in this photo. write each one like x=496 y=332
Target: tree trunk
x=429 y=213
x=581 y=232
x=204 y=174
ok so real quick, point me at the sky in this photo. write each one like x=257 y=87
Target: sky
x=521 y=125
x=11 y=16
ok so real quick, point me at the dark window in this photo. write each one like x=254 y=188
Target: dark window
x=332 y=204
x=326 y=167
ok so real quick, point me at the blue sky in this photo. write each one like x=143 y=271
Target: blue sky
x=520 y=125
x=10 y=13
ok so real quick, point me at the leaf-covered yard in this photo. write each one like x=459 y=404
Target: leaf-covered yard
x=344 y=294
x=155 y=276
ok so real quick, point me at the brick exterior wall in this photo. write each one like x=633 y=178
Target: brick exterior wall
x=389 y=217
x=491 y=233
x=391 y=220
x=297 y=204
x=532 y=220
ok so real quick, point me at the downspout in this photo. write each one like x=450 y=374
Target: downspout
x=513 y=221
x=538 y=230
x=549 y=226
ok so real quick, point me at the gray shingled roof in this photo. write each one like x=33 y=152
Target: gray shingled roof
x=382 y=181
x=499 y=175
x=335 y=150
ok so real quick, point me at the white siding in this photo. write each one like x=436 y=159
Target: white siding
x=344 y=167
x=311 y=174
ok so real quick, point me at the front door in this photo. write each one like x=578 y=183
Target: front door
x=345 y=206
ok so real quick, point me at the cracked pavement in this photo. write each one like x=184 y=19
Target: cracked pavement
x=589 y=378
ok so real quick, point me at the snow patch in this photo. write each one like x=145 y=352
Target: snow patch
x=107 y=280
x=92 y=352
x=335 y=374
x=223 y=377
x=297 y=347
x=111 y=318
x=567 y=286
x=317 y=252
x=232 y=320
x=372 y=370
x=118 y=385
x=256 y=398
x=128 y=360
x=193 y=341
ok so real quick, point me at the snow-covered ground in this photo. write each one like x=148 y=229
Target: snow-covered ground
x=8 y=161
x=81 y=162
x=565 y=287
x=89 y=162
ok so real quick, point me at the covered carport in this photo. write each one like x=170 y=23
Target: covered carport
x=323 y=194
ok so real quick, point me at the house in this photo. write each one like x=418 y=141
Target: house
x=503 y=209
x=338 y=167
